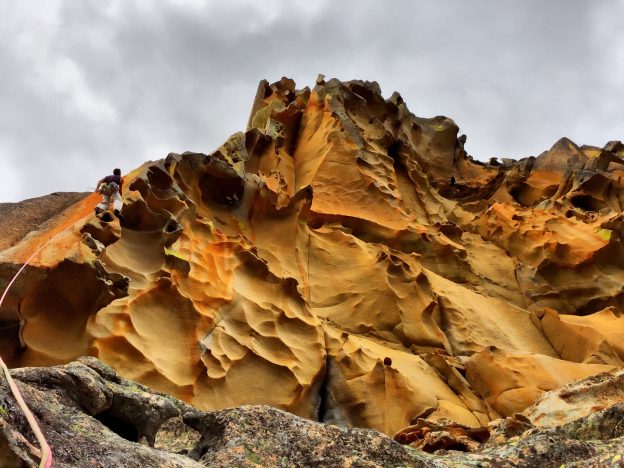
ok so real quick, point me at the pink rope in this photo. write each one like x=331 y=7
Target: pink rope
x=46 y=452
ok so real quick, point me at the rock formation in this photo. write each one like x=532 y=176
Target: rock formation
x=18 y=219
x=113 y=422
x=343 y=260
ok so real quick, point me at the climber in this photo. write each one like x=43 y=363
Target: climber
x=460 y=153
x=110 y=188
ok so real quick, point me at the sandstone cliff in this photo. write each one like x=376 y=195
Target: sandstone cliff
x=341 y=259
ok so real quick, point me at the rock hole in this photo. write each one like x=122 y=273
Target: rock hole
x=202 y=451
x=315 y=223
x=587 y=203
x=456 y=446
x=172 y=226
x=106 y=217
x=515 y=191
x=158 y=178
x=550 y=191
x=119 y=426
x=394 y=149
x=222 y=185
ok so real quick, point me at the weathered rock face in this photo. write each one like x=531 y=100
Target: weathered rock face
x=113 y=422
x=562 y=428
x=18 y=219
x=578 y=400
x=343 y=260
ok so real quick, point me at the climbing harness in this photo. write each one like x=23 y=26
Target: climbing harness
x=46 y=452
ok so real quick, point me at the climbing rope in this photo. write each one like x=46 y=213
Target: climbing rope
x=46 y=452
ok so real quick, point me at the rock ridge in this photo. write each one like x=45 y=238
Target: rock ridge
x=340 y=259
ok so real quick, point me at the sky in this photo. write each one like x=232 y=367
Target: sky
x=89 y=85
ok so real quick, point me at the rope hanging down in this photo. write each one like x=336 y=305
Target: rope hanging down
x=46 y=452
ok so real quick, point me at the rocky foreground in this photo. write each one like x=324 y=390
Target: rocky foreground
x=92 y=417
x=342 y=260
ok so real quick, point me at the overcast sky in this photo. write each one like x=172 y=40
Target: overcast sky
x=89 y=85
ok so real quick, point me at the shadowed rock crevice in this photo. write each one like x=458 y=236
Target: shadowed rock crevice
x=324 y=394
x=119 y=426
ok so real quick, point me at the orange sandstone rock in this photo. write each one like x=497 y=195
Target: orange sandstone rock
x=512 y=382
x=341 y=259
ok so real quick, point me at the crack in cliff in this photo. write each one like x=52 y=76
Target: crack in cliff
x=324 y=391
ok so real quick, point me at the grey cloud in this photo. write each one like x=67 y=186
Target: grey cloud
x=89 y=87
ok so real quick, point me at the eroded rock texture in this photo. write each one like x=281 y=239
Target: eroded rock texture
x=113 y=422
x=343 y=260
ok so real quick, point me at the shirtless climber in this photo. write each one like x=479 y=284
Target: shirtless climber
x=110 y=188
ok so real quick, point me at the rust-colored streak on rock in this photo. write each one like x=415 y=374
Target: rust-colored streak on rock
x=346 y=261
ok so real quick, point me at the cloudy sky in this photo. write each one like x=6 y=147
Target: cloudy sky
x=89 y=85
